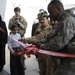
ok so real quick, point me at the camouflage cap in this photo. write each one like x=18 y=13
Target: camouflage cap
x=43 y=14
x=17 y=9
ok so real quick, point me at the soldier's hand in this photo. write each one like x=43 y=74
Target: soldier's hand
x=38 y=45
x=16 y=21
x=42 y=46
x=54 y=22
x=35 y=42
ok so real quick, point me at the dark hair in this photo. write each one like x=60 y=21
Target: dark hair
x=0 y=18
x=17 y=9
x=56 y=3
x=13 y=26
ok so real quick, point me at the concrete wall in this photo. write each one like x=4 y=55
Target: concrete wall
x=2 y=8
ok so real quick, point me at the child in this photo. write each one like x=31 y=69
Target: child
x=16 y=66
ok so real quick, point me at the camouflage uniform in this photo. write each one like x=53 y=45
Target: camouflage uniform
x=41 y=60
x=51 y=63
x=64 y=41
x=22 y=24
x=43 y=34
x=39 y=29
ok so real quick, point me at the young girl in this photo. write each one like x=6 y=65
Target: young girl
x=16 y=66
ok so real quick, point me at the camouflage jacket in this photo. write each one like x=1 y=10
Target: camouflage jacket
x=64 y=34
x=39 y=29
x=22 y=24
x=43 y=34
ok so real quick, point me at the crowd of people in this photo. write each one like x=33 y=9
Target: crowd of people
x=54 y=32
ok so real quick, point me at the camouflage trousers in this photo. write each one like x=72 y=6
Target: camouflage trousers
x=47 y=65
x=66 y=68
x=50 y=65
x=42 y=64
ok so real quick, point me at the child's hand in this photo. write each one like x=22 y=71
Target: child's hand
x=22 y=40
x=14 y=53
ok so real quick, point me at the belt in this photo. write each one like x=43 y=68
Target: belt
x=16 y=49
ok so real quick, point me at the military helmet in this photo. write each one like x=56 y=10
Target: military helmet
x=17 y=9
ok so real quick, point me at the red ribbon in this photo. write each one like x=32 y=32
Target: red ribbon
x=34 y=50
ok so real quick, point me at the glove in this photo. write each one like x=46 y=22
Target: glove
x=38 y=45
x=42 y=46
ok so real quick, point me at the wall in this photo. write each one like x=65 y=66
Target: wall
x=2 y=8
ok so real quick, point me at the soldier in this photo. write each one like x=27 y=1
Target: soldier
x=21 y=22
x=43 y=29
x=48 y=61
x=35 y=26
x=64 y=40
x=51 y=63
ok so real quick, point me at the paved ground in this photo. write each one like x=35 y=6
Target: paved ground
x=31 y=65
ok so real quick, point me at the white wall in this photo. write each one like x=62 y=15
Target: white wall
x=2 y=8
